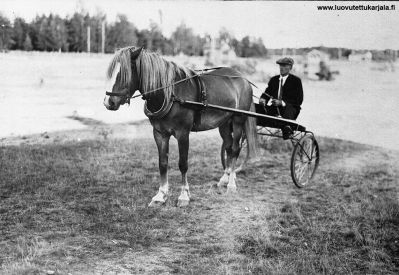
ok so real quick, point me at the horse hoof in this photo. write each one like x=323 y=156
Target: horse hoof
x=156 y=204
x=182 y=203
x=231 y=190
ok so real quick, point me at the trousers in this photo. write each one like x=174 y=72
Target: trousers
x=288 y=112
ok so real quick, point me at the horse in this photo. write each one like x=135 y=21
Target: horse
x=165 y=85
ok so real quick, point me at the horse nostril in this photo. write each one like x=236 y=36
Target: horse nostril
x=111 y=103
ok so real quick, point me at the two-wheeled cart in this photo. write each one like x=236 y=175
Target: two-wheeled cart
x=305 y=155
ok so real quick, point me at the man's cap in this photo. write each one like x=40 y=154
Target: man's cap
x=285 y=61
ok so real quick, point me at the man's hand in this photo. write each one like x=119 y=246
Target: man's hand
x=262 y=101
x=276 y=102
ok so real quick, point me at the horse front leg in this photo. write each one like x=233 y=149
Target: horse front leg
x=183 y=143
x=162 y=141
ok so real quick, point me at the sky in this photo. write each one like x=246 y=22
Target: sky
x=278 y=23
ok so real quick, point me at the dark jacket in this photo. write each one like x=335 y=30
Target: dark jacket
x=292 y=90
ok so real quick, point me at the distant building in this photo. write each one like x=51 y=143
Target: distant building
x=360 y=56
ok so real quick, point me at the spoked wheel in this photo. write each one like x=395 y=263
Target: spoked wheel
x=242 y=158
x=304 y=160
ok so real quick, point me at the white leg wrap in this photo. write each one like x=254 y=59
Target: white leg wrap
x=184 y=198
x=231 y=186
x=184 y=195
x=161 y=196
x=224 y=180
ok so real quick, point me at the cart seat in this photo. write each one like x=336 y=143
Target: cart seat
x=275 y=122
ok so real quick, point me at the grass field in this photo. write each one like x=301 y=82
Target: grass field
x=76 y=179
x=75 y=202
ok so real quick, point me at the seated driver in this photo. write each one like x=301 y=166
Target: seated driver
x=283 y=95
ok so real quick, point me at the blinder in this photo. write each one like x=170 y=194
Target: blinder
x=125 y=94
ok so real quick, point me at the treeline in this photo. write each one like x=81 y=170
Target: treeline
x=70 y=34
x=338 y=52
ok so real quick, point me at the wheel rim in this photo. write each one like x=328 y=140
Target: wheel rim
x=305 y=160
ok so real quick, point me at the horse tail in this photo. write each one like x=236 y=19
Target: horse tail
x=251 y=135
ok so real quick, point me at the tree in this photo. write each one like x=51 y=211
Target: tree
x=258 y=48
x=156 y=37
x=236 y=46
x=59 y=33
x=245 y=47
x=27 y=46
x=75 y=31
x=50 y=33
x=226 y=35
x=46 y=40
x=19 y=33
x=6 y=32
x=251 y=47
x=33 y=32
x=144 y=39
x=185 y=41
x=121 y=34
x=154 y=40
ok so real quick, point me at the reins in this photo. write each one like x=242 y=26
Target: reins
x=177 y=82
x=164 y=87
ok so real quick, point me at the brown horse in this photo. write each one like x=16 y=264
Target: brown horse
x=164 y=84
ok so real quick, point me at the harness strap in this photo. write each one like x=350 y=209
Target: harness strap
x=203 y=98
x=203 y=93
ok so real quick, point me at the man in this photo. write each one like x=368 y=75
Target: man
x=283 y=95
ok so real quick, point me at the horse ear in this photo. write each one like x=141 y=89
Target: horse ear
x=136 y=53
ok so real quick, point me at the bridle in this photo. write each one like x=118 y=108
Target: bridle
x=126 y=92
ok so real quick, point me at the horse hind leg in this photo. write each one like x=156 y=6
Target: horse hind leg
x=225 y=133
x=238 y=127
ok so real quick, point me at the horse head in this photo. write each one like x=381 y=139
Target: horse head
x=122 y=78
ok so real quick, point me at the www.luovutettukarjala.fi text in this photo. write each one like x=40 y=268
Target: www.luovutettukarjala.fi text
x=358 y=7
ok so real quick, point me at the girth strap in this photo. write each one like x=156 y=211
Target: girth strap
x=202 y=97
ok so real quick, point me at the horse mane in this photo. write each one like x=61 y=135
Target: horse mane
x=122 y=57
x=153 y=70
x=156 y=72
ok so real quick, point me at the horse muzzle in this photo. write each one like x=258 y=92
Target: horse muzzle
x=110 y=105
